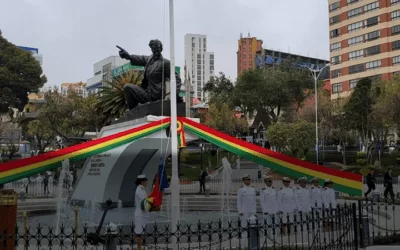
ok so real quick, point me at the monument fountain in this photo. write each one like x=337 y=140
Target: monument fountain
x=61 y=196
x=226 y=187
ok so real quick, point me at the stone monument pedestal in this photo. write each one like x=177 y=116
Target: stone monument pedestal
x=112 y=175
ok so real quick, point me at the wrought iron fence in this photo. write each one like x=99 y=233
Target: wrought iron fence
x=318 y=229
x=380 y=221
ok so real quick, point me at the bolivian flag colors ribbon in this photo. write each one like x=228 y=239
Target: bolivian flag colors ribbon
x=181 y=135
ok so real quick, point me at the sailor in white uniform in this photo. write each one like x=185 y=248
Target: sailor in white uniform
x=287 y=203
x=316 y=194
x=303 y=203
x=329 y=203
x=269 y=204
x=316 y=202
x=246 y=201
x=328 y=195
x=141 y=217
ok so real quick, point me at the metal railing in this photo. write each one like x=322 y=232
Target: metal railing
x=318 y=229
x=380 y=221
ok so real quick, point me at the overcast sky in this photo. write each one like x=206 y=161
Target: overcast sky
x=72 y=35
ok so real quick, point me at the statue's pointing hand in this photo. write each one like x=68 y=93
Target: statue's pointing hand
x=123 y=53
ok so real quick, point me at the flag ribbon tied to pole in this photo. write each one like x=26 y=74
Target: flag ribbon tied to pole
x=181 y=135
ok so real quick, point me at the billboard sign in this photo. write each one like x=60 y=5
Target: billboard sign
x=33 y=50
x=128 y=67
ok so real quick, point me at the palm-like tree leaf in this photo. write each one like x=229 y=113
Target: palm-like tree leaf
x=112 y=100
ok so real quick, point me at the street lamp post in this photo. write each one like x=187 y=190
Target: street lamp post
x=316 y=73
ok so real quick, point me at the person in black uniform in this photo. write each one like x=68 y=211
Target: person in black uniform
x=370 y=182
x=202 y=181
x=388 y=184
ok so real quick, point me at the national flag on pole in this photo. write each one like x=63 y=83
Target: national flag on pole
x=181 y=135
x=162 y=175
x=154 y=199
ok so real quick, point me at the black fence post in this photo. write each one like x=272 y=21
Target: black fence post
x=360 y=224
x=355 y=225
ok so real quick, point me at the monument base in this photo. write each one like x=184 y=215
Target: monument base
x=158 y=108
x=112 y=175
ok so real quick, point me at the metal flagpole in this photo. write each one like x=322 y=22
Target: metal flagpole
x=175 y=205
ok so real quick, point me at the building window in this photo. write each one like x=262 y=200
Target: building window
x=395 y=15
x=336 y=59
x=372 y=50
x=371 y=6
x=335 y=46
x=355 y=40
x=396 y=29
x=396 y=45
x=354 y=12
x=336 y=73
x=334 y=6
x=371 y=21
x=393 y=2
x=353 y=83
x=355 y=26
x=335 y=33
x=334 y=19
x=373 y=64
x=351 y=1
x=372 y=35
x=356 y=68
x=396 y=60
x=355 y=54
x=337 y=87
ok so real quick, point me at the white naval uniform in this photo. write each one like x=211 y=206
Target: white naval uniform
x=303 y=200
x=329 y=198
x=316 y=197
x=303 y=204
x=287 y=203
x=141 y=217
x=246 y=203
x=270 y=207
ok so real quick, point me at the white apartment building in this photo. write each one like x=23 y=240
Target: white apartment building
x=102 y=72
x=199 y=63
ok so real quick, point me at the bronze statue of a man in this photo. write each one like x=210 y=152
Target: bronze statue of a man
x=157 y=72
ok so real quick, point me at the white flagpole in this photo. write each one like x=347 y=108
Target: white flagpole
x=175 y=204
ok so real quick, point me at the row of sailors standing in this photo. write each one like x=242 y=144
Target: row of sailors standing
x=285 y=202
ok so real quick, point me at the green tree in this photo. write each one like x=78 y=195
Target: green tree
x=295 y=136
x=384 y=112
x=220 y=90
x=20 y=73
x=70 y=116
x=42 y=130
x=357 y=111
x=222 y=118
x=112 y=104
x=273 y=90
x=341 y=129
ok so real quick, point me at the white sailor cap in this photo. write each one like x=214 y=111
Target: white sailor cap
x=286 y=179
x=328 y=181
x=315 y=179
x=267 y=177
x=246 y=177
x=142 y=177
x=302 y=179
